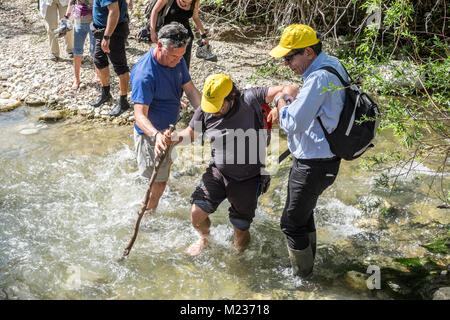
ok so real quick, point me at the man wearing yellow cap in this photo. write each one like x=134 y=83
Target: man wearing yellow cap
x=315 y=167
x=233 y=121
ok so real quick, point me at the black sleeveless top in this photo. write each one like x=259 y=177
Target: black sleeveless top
x=179 y=15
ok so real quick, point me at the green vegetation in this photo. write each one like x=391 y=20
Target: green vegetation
x=397 y=49
x=441 y=245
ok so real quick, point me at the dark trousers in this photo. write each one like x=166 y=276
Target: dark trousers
x=307 y=180
x=116 y=46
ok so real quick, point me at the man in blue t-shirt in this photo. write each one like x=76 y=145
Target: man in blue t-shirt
x=158 y=80
x=110 y=29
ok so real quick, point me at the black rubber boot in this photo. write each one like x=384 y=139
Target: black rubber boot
x=313 y=242
x=105 y=97
x=302 y=262
x=121 y=107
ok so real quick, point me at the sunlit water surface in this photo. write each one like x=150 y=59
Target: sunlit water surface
x=69 y=196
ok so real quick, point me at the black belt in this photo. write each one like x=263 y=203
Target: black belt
x=286 y=153
x=321 y=160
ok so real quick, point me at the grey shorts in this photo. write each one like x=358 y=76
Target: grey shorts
x=145 y=156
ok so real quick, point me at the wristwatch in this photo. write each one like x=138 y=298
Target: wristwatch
x=106 y=37
x=153 y=137
x=277 y=98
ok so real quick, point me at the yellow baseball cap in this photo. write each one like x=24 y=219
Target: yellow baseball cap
x=216 y=88
x=294 y=37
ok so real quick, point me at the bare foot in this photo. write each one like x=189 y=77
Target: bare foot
x=75 y=85
x=148 y=213
x=197 y=247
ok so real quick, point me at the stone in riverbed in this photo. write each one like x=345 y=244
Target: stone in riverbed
x=52 y=115
x=442 y=294
x=5 y=95
x=29 y=131
x=356 y=280
x=34 y=100
x=9 y=104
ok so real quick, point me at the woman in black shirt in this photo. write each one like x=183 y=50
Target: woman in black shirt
x=180 y=11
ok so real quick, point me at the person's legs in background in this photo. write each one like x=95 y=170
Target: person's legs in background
x=68 y=38
x=51 y=19
x=80 y=32
x=92 y=52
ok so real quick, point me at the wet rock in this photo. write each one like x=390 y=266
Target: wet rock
x=356 y=280
x=53 y=115
x=442 y=294
x=9 y=104
x=5 y=95
x=29 y=131
x=369 y=223
x=34 y=100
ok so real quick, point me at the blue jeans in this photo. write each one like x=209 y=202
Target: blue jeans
x=80 y=32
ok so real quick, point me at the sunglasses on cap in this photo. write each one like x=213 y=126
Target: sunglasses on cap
x=177 y=36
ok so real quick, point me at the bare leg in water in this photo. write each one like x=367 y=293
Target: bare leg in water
x=201 y=222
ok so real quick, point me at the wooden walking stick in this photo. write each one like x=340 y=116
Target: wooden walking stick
x=147 y=196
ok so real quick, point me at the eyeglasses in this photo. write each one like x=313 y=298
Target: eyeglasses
x=291 y=56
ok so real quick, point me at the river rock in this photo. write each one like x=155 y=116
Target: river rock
x=4 y=76
x=29 y=131
x=5 y=95
x=53 y=115
x=442 y=294
x=356 y=280
x=34 y=100
x=9 y=104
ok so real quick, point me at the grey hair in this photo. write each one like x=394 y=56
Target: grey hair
x=173 y=35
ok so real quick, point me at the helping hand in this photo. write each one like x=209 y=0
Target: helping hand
x=164 y=140
x=273 y=116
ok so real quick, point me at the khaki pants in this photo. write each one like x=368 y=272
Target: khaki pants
x=52 y=23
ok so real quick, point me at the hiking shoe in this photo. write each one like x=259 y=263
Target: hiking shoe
x=120 y=108
x=54 y=58
x=204 y=52
x=64 y=25
x=104 y=97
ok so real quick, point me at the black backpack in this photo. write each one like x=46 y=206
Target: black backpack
x=358 y=122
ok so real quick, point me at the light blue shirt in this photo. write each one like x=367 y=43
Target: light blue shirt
x=305 y=136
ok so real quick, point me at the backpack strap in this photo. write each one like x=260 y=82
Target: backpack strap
x=333 y=71
x=345 y=83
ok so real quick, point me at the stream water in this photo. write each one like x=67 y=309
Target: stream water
x=69 y=196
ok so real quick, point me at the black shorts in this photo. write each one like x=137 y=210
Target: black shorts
x=242 y=195
x=117 y=53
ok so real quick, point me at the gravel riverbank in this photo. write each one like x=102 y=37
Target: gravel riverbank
x=27 y=75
